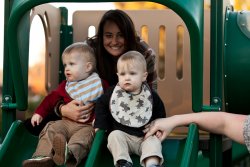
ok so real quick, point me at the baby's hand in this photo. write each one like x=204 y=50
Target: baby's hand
x=158 y=134
x=36 y=119
x=96 y=129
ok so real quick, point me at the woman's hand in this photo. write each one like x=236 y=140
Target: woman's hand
x=75 y=111
x=160 y=127
x=36 y=119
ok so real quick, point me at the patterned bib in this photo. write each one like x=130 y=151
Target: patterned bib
x=86 y=90
x=129 y=109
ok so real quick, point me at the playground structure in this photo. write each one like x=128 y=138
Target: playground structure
x=214 y=63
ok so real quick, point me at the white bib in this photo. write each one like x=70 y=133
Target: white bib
x=129 y=109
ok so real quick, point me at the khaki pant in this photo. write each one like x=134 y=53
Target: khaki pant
x=121 y=145
x=79 y=137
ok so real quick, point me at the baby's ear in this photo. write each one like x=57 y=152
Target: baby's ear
x=145 y=76
x=89 y=66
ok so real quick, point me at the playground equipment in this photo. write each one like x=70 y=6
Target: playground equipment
x=215 y=50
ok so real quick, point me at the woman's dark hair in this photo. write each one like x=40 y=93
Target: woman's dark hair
x=106 y=63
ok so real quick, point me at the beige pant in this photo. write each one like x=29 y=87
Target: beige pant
x=78 y=135
x=121 y=145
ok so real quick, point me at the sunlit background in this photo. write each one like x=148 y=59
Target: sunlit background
x=238 y=5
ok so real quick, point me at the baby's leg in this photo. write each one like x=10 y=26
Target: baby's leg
x=79 y=144
x=46 y=137
x=118 y=146
x=151 y=152
x=152 y=161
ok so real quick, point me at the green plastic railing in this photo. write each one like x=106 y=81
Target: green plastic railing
x=190 y=152
x=17 y=146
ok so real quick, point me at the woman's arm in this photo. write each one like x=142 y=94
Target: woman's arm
x=102 y=113
x=230 y=125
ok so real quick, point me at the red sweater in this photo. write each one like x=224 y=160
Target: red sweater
x=48 y=104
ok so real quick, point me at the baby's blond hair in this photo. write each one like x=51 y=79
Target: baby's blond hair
x=134 y=57
x=84 y=50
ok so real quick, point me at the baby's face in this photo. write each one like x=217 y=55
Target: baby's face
x=75 y=67
x=131 y=75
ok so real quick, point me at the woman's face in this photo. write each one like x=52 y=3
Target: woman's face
x=113 y=39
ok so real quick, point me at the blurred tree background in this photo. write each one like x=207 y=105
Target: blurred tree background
x=238 y=5
x=138 y=5
x=241 y=4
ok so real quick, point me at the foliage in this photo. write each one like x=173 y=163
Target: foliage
x=238 y=5
x=139 y=5
x=241 y=4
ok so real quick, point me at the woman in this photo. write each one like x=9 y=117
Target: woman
x=116 y=35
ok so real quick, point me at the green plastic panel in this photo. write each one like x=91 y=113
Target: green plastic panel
x=237 y=66
x=190 y=153
x=239 y=152
x=66 y=38
x=18 y=145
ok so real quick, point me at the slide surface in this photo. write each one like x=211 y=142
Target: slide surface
x=19 y=145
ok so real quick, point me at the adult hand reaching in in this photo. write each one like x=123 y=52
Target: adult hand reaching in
x=160 y=127
x=228 y=124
